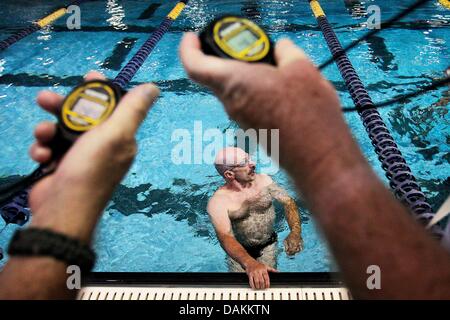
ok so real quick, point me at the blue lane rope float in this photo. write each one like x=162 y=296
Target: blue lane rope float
x=127 y=73
x=17 y=210
x=400 y=177
x=16 y=37
x=36 y=26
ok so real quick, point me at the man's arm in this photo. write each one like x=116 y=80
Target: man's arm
x=443 y=101
x=294 y=241
x=256 y=271
x=363 y=223
x=71 y=200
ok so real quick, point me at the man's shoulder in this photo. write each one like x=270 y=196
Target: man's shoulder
x=264 y=179
x=220 y=197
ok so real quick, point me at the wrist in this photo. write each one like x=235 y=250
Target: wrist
x=314 y=135
x=343 y=191
x=76 y=220
x=247 y=262
x=70 y=227
x=41 y=242
x=72 y=211
x=295 y=232
x=333 y=161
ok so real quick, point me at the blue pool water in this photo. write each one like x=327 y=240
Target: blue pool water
x=157 y=220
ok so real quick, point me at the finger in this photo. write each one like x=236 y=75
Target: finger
x=287 y=246
x=299 y=246
x=266 y=279
x=40 y=153
x=270 y=269
x=258 y=281
x=290 y=250
x=207 y=70
x=251 y=281
x=286 y=52
x=262 y=279
x=94 y=75
x=133 y=109
x=45 y=132
x=50 y=101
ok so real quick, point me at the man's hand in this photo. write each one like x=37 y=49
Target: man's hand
x=258 y=275
x=293 y=243
x=72 y=198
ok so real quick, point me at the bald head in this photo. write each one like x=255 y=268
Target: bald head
x=232 y=157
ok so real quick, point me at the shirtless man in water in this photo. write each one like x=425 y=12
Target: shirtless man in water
x=243 y=216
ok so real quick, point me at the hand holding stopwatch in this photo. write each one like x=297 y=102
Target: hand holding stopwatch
x=237 y=38
x=84 y=108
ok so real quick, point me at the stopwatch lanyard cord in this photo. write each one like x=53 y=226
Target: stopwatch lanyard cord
x=4 y=228
x=6 y=194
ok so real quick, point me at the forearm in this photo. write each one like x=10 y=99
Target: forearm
x=293 y=217
x=71 y=217
x=369 y=227
x=34 y=278
x=45 y=277
x=235 y=250
x=365 y=225
x=41 y=277
x=442 y=102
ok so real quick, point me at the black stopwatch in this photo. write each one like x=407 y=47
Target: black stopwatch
x=87 y=106
x=84 y=108
x=237 y=38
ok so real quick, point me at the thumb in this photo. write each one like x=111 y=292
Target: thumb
x=133 y=108
x=272 y=269
x=286 y=52
x=285 y=243
x=205 y=69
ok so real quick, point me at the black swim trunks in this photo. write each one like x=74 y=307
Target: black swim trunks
x=256 y=251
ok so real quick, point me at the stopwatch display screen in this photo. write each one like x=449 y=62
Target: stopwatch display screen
x=242 y=40
x=89 y=110
x=88 y=105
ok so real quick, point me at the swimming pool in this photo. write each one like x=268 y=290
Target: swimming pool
x=156 y=221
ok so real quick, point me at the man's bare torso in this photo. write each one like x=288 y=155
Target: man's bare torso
x=251 y=212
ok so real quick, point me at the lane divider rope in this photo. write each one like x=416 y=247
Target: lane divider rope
x=401 y=179
x=36 y=26
x=127 y=73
